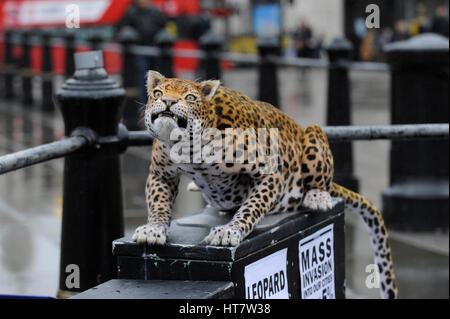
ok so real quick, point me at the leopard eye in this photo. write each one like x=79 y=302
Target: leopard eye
x=157 y=94
x=190 y=97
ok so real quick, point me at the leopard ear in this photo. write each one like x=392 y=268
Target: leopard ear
x=153 y=79
x=209 y=88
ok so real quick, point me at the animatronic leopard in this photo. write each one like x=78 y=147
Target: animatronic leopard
x=302 y=178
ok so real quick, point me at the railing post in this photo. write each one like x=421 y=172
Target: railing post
x=127 y=38
x=47 y=73
x=95 y=41
x=25 y=69
x=211 y=43
x=9 y=66
x=268 y=80
x=417 y=198
x=69 y=38
x=91 y=103
x=339 y=110
x=165 y=42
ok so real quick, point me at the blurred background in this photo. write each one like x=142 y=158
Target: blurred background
x=31 y=198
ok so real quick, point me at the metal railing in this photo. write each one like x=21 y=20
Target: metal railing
x=41 y=153
x=69 y=145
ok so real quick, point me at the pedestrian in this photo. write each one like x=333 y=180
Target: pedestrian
x=147 y=21
x=386 y=36
x=357 y=36
x=400 y=31
x=419 y=24
x=304 y=40
x=201 y=24
x=439 y=24
x=367 y=50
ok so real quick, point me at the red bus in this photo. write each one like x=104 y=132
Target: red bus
x=93 y=16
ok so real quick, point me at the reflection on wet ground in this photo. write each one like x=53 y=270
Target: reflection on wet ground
x=30 y=199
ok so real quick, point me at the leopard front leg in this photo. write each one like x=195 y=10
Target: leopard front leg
x=160 y=194
x=262 y=197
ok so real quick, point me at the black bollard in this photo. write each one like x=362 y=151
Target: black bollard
x=25 y=69
x=268 y=81
x=47 y=74
x=165 y=41
x=95 y=41
x=339 y=110
x=211 y=43
x=91 y=103
x=417 y=198
x=9 y=67
x=69 y=39
x=127 y=37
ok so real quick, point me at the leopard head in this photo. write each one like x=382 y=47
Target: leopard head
x=177 y=103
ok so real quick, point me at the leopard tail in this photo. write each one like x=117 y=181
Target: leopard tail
x=378 y=236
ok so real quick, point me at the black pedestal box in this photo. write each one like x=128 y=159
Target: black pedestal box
x=291 y=255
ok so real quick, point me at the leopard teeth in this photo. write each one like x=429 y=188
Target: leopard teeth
x=175 y=118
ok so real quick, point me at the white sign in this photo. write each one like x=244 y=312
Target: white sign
x=267 y=278
x=316 y=264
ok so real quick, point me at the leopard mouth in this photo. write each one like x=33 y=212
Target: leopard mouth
x=181 y=121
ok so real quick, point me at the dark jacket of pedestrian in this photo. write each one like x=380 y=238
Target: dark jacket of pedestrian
x=440 y=25
x=146 y=21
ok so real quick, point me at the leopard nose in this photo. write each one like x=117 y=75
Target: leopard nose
x=169 y=101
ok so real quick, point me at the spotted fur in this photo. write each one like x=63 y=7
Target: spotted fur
x=303 y=177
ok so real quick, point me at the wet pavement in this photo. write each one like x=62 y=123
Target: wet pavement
x=30 y=199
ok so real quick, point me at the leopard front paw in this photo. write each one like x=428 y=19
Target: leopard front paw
x=316 y=199
x=152 y=234
x=225 y=235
